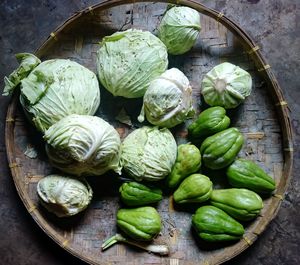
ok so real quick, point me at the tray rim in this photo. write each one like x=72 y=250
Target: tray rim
x=256 y=55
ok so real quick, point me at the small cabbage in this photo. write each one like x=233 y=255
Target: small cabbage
x=148 y=153
x=179 y=29
x=226 y=85
x=63 y=195
x=128 y=61
x=168 y=100
x=56 y=88
x=83 y=145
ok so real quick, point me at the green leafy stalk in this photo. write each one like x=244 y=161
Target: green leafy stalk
x=27 y=63
x=160 y=249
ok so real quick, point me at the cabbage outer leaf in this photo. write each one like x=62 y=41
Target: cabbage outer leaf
x=27 y=63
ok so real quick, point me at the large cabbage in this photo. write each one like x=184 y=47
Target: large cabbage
x=148 y=153
x=128 y=61
x=168 y=100
x=83 y=145
x=54 y=89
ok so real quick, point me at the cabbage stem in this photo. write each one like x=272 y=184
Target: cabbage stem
x=157 y=249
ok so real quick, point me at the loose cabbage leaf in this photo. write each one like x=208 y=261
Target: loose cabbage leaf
x=27 y=63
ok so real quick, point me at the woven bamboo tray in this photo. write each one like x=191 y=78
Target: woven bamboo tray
x=263 y=120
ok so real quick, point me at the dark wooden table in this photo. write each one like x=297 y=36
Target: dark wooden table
x=273 y=25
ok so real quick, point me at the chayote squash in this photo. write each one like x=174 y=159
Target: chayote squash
x=195 y=188
x=241 y=204
x=209 y=122
x=137 y=194
x=188 y=161
x=141 y=223
x=243 y=173
x=220 y=149
x=214 y=225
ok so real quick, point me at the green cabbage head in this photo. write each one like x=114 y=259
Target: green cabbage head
x=168 y=100
x=128 y=61
x=83 y=145
x=179 y=29
x=226 y=85
x=148 y=153
x=63 y=195
x=54 y=89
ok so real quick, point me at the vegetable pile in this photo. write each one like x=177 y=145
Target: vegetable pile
x=60 y=97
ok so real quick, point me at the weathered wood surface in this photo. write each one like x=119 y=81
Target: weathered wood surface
x=257 y=119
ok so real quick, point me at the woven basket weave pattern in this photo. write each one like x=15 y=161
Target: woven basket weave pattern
x=264 y=124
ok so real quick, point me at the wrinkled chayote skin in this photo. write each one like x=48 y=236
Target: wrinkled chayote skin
x=188 y=161
x=148 y=153
x=220 y=149
x=226 y=85
x=241 y=204
x=137 y=194
x=214 y=225
x=141 y=223
x=243 y=173
x=195 y=188
x=168 y=100
x=179 y=29
x=63 y=195
x=209 y=122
